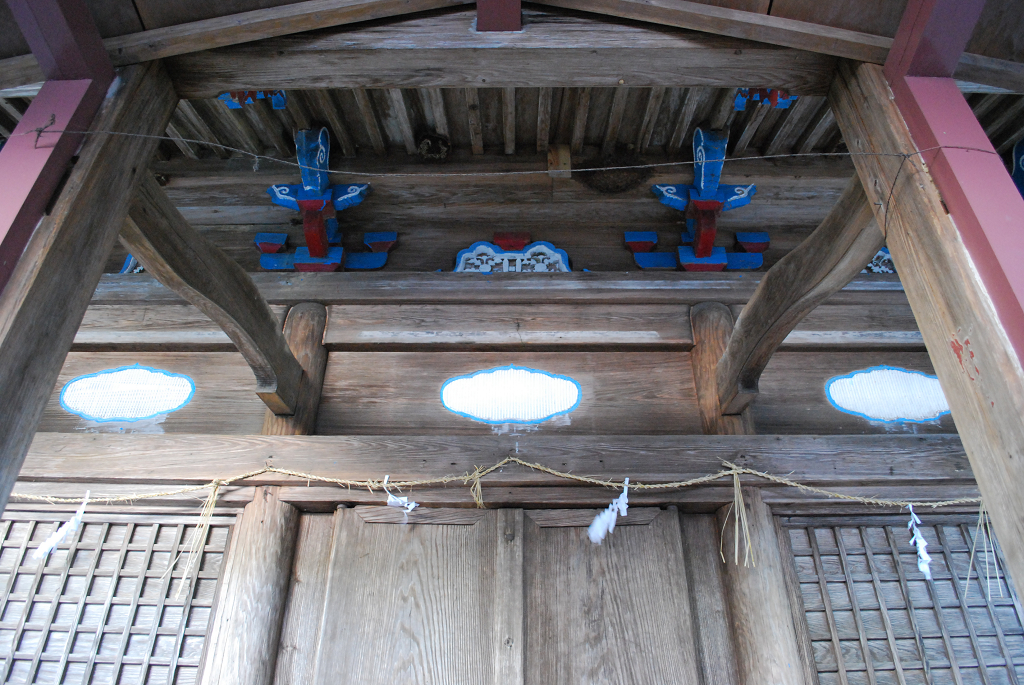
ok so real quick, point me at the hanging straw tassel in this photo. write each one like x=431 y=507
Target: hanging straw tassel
x=742 y=526
x=198 y=540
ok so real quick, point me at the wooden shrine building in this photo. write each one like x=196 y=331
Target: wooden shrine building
x=337 y=336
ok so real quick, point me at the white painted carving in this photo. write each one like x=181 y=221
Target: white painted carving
x=510 y=394
x=885 y=393
x=485 y=258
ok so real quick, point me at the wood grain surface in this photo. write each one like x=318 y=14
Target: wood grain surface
x=304 y=332
x=375 y=393
x=712 y=329
x=555 y=49
x=614 y=613
x=415 y=603
x=300 y=631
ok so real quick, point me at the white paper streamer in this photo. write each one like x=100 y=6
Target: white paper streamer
x=918 y=541
x=62 y=533
x=604 y=523
x=399 y=502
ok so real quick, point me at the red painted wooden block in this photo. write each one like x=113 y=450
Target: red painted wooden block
x=271 y=243
x=511 y=241
x=705 y=215
x=380 y=241
x=332 y=262
x=754 y=241
x=314 y=227
x=716 y=261
x=641 y=241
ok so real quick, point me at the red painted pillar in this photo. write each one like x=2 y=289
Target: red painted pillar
x=499 y=15
x=64 y=39
x=979 y=193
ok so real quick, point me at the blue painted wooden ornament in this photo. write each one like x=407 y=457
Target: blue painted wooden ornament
x=641 y=241
x=237 y=98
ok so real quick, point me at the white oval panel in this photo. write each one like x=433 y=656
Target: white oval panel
x=887 y=393
x=510 y=394
x=128 y=393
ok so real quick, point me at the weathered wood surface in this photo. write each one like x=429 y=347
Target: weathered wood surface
x=419 y=603
x=183 y=260
x=354 y=327
x=161 y=459
x=712 y=327
x=224 y=401
x=619 y=612
x=244 y=637
x=43 y=302
x=554 y=50
x=830 y=258
x=705 y=572
x=304 y=332
x=980 y=373
x=767 y=650
x=300 y=630
x=376 y=393
x=582 y=518
x=796 y=604
x=792 y=398
x=178 y=328
x=498 y=289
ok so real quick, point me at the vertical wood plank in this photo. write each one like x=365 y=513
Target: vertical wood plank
x=543 y=119
x=759 y=603
x=705 y=573
x=304 y=329
x=247 y=624
x=509 y=642
x=476 y=131
x=796 y=604
x=654 y=100
x=369 y=120
x=328 y=109
x=300 y=631
x=440 y=115
x=618 y=108
x=508 y=118
x=402 y=114
x=579 y=123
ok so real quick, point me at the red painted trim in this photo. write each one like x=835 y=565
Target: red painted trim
x=980 y=196
x=499 y=15
x=932 y=36
x=31 y=169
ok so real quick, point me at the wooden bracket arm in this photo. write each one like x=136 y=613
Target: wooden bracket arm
x=183 y=260
x=304 y=330
x=821 y=265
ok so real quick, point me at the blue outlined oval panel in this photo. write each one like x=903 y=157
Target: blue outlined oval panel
x=510 y=394
x=888 y=394
x=127 y=393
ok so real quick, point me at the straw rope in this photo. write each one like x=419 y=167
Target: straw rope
x=474 y=480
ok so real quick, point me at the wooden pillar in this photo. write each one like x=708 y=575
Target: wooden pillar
x=183 y=260
x=712 y=327
x=970 y=349
x=250 y=609
x=304 y=331
x=767 y=647
x=47 y=295
x=821 y=265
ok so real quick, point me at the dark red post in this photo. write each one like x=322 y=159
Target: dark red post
x=64 y=39
x=979 y=193
x=499 y=15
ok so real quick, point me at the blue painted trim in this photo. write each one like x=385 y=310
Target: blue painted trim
x=106 y=372
x=360 y=261
x=883 y=367
x=579 y=394
x=497 y=250
x=744 y=260
x=656 y=260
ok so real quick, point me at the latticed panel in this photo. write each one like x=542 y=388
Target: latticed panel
x=109 y=605
x=875 y=618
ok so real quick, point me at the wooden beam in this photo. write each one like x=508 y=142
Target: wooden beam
x=750 y=128
x=579 y=122
x=839 y=461
x=643 y=137
x=972 y=353
x=712 y=329
x=435 y=100
x=304 y=331
x=402 y=115
x=184 y=261
x=508 y=119
x=543 y=119
x=441 y=51
x=684 y=122
x=759 y=600
x=49 y=290
x=989 y=71
x=740 y=24
x=476 y=131
x=826 y=261
x=370 y=120
x=251 y=604
x=324 y=104
x=189 y=114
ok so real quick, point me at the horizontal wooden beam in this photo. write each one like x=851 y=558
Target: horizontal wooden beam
x=554 y=50
x=230 y=30
x=828 y=461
